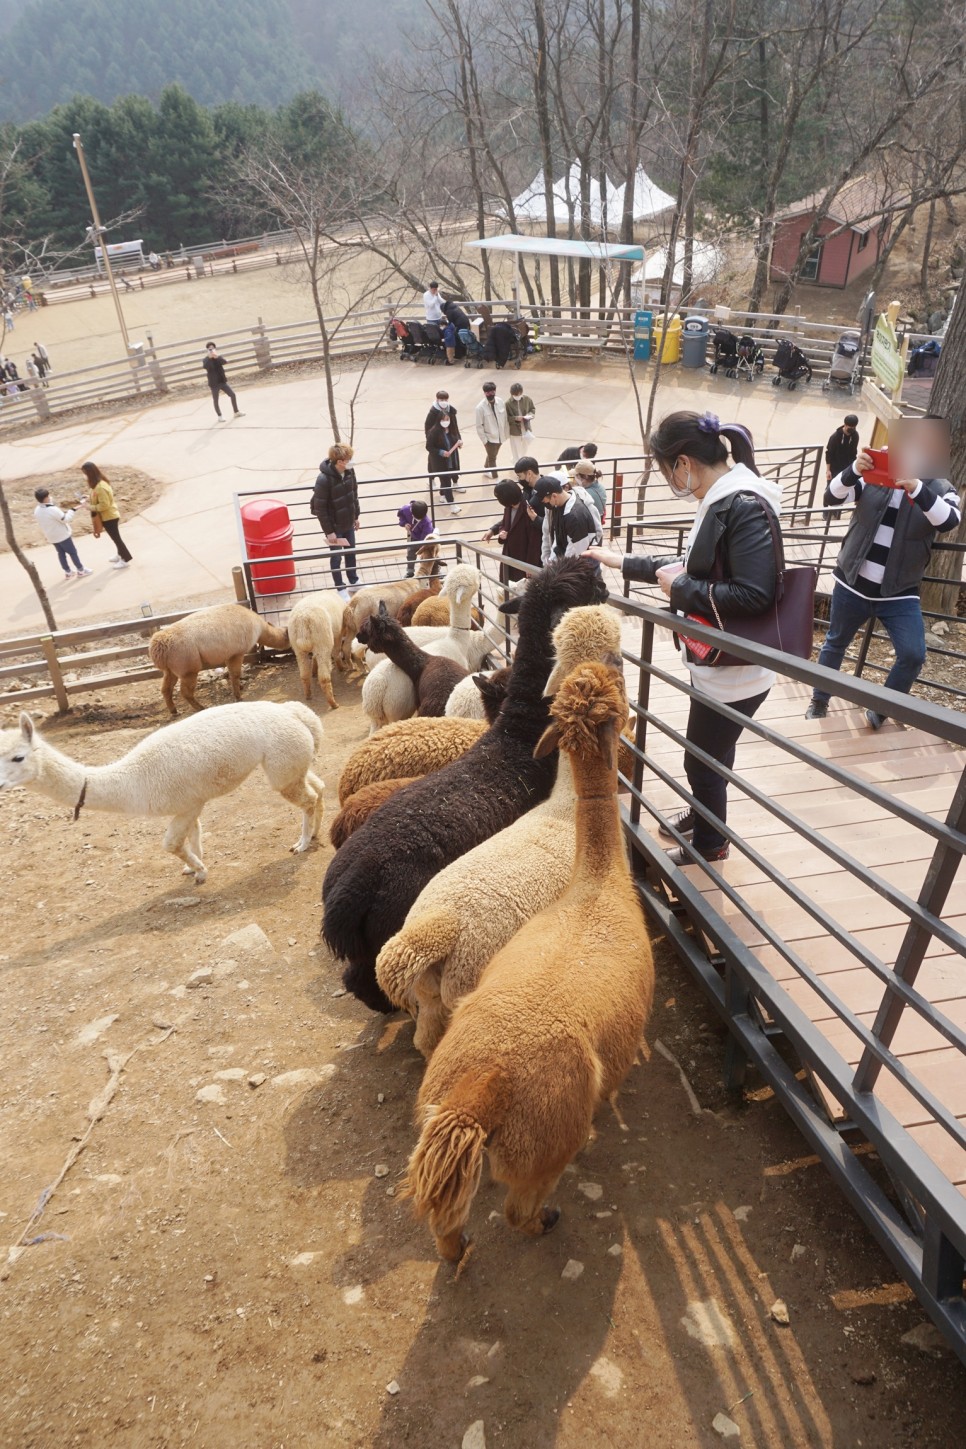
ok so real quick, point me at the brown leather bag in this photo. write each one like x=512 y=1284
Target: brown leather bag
x=98 y=525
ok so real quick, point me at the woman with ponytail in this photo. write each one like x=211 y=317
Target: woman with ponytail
x=728 y=569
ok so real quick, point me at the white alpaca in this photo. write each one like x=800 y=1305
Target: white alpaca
x=314 y=625
x=176 y=770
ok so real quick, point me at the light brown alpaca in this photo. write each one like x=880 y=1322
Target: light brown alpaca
x=359 y=807
x=405 y=614
x=411 y=747
x=366 y=602
x=436 y=612
x=555 y=1023
x=222 y=635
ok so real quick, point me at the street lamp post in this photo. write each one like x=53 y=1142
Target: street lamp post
x=97 y=231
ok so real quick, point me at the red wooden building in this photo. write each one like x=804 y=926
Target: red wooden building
x=855 y=232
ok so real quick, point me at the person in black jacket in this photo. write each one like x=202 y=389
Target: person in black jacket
x=728 y=569
x=214 y=365
x=842 y=447
x=335 y=503
x=440 y=406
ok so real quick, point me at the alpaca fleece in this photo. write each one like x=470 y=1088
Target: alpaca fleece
x=404 y=614
x=207 y=639
x=433 y=676
x=408 y=747
x=314 y=625
x=359 y=807
x=377 y=875
x=471 y=697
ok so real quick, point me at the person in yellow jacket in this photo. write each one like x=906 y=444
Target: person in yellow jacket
x=105 y=514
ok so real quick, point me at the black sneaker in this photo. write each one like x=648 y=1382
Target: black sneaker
x=683 y=823
x=875 y=720
x=818 y=709
x=680 y=857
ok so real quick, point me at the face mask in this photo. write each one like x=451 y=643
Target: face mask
x=676 y=488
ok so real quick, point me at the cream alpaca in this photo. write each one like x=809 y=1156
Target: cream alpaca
x=555 y=1023
x=204 y=640
x=313 y=627
x=176 y=770
x=472 y=908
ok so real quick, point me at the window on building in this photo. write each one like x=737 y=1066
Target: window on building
x=813 y=263
x=863 y=241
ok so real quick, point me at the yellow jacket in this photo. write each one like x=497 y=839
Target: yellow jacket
x=102 y=501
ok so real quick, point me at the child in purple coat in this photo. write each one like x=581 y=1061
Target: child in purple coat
x=414 y=518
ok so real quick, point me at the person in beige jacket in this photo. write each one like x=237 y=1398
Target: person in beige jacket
x=492 y=427
x=104 y=512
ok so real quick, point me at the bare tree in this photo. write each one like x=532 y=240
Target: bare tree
x=948 y=400
x=24 y=561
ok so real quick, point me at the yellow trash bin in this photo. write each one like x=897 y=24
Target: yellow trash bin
x=672 y=342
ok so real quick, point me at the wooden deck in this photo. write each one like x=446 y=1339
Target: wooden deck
x=909 y=766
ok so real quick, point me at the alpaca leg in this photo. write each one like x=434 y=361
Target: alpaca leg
x=188 y=682
x=182 y=835
x=326 y=685
x=307 y=794
x=432 y=1017
x=304 y=662
x=168 y=683
x=525 y=1206
x=235 y=675
x=194 y=845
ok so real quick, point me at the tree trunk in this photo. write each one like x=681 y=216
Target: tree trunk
x=541 y=86
x=926 y=249
x=313 y=259
x=24 y=561
x=948 y=400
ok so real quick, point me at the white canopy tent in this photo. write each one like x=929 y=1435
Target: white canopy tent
x=649 y=199
x=601 y=253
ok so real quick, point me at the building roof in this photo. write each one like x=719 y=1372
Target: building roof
x=858 y=205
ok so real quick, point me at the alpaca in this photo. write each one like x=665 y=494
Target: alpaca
x=468 y=912
x=555 y=1023
x=470 y=697
x=432 y=676
x=205 y=639
x=366 y=601
x=374 y=879
x=176 y=770
x=359 y=807
x=413 y=747
x=436 y=611
x=404 y=614
x=313 y=627
x=389 y=693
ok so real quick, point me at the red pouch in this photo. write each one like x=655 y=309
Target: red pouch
x=702 y=653
x=879 y=475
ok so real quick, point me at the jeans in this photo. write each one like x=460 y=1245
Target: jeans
x=412 y=554
x=718 y=737
x=445 y=481
x=902 y=621
x=113 y=531
x=67 y=554
x=216 y=388
x=349 y=534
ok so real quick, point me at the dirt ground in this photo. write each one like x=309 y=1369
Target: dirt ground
x=226 y=1259
x=133 y=492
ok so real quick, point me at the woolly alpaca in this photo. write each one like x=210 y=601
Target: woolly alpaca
x=436 y=612
x=374 y=879
x=176 y=770
x=468 y=912
x=412 y=747
x=404 y=614
x=205 y=639
x=313 y=627
x=359 y=807
x=472 y=697
x=389 y=693
x=554 y=1025
x=366 y=601
x=432 y=676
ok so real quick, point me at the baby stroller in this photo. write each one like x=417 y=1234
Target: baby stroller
x=844 y=368
x=503 y=345
x=792 y=365
x=471 y=343
x=751 y=359
x=725 y=346
x=408 y=351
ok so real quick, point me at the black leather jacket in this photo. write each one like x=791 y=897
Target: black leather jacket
x=733 y=551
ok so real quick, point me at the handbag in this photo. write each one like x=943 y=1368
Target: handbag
x=97 y=524
x=786 y=625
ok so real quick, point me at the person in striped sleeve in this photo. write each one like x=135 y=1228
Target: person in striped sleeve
x=885 y=553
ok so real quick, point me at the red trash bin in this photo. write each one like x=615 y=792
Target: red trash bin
x=268 y=534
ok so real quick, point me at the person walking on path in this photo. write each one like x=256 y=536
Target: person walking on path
x=433 y=303
x=414 y=518
x=492 y=427
x=104 y=513
x=54 y=524
x=214 y=365
x=879 y=570
x=41 y=352
x=8 y=320
x=519 y=530
x=520 y=412
x=729 y=566
x=842 y=447
x=443 y=443
x=335 y=503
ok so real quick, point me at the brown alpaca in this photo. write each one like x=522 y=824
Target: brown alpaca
x=555 y=1023
x=404 y=615
x=436 y=612
x=366 y=601
x=359 y=807
x=410 y=747
x=222 y=635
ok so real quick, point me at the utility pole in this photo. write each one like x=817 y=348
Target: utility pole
x=97 y=232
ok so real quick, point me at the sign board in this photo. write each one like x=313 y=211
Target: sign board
x=886 y=359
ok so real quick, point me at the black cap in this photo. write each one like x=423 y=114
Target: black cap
x=546 y=487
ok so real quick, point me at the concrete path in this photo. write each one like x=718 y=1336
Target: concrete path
x=186 y=543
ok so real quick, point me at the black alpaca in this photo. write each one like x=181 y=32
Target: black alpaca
x=380 y=870
x=433 y=676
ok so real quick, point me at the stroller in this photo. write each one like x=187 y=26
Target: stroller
x=428 y=341
x=751 y=359
x=504 y=344
x=792 y=365
x=845 y=365
x=400 y=332
x=472 y=347
x=725 y=352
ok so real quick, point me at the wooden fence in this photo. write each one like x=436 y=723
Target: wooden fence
x=64 y=667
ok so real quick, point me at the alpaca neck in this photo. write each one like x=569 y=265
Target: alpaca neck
x=600 y=846
x=461 y=614
x=525 y=703
x=59 y=776
x=406 y=655
x=561 y=800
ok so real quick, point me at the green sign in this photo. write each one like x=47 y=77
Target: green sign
x=886 y=360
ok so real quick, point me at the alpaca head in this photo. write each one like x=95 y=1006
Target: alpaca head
x=582 y=636
x=461 y=584
x=428 y=558
x=493 y=689
x=378 y=629
x=18 y=754
x=560 y=586
x=588 y=713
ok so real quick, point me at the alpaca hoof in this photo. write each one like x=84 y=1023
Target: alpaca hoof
x=187 y=870
x=549 y=1218
x=300 y=847
x=200 y=877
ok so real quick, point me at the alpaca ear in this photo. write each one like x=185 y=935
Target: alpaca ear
x=548 y=742
x=26 y=727
x=557 y=676
x=383 y=611
x=607 y=737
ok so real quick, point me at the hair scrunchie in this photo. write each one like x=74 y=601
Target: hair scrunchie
x=709 y=423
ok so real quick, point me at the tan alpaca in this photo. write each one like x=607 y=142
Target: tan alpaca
x=366 y=601
x=313 y=627
x=554 y=1025
x=359 y=807
x=222 y=635
x=411 y=747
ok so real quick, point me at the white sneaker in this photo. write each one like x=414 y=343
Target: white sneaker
x=121 y=563
x=455 y=511
x=459 y=487
x=343 y=595
x=85 y=573
x=115 y=558
x=68 y=576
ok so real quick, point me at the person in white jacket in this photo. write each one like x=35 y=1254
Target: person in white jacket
x=492 y=426
x=54 y=524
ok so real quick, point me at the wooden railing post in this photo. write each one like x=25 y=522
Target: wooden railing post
x=263 y=347
x=53 y=669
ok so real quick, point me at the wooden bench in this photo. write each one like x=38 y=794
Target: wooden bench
x=564 y=334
